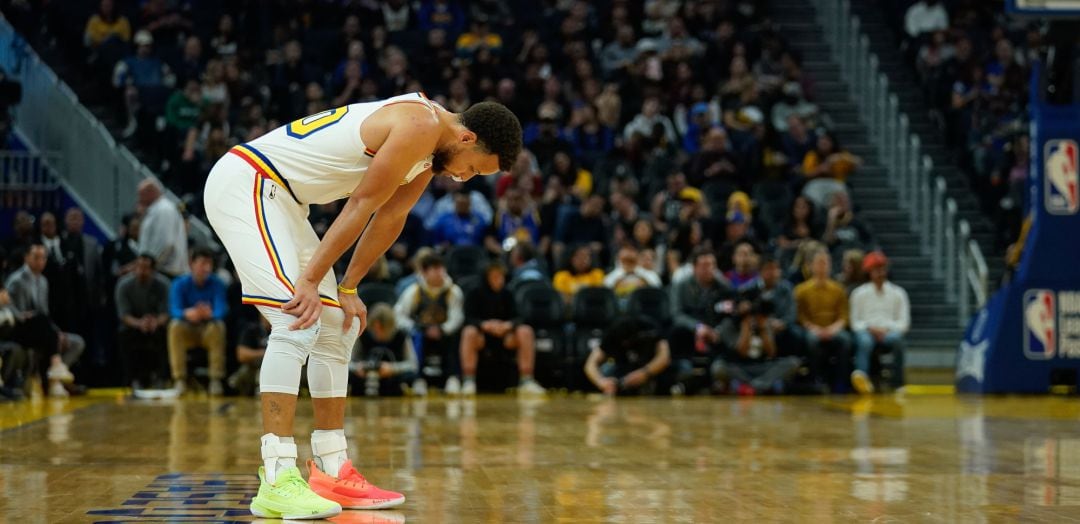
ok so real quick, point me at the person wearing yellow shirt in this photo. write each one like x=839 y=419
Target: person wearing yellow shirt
x=106 y=24
x=580 y=273
x=822 y=310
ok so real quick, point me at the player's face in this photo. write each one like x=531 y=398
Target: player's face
x=464 y=161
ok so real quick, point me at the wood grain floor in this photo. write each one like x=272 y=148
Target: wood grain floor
x=496 y=459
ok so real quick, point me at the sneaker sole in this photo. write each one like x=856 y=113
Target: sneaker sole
x=382 y=505
x=266 y=513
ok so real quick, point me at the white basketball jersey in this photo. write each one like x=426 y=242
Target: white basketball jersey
x=322 y=157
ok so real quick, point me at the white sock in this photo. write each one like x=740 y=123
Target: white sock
x=278 y=453
x=330 y=450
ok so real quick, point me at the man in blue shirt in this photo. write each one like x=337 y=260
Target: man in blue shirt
x=463 y=227
x=197 y=306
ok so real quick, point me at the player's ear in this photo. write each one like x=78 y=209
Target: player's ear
x=467 y=137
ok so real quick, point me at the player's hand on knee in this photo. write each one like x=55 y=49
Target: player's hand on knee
x=352 y=306
x=305 y=305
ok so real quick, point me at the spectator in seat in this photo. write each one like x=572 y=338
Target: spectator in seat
x=628 y=275
x=524 y=265
x=880 y=317
x=801 y=225
x=105 y=25
x=580 y=271
x=142 y=305
x=826 y=168
x=462 y=227
x=650 y=117
x=163 y=234
x=778 y=293
x=851 y=273
x=384 y=359
x=139 y=75
x=744 y=265
x=698 y=305
x=715 y=168
x=516 y=220
x=843 y=229
x=631 y=357
x=29 y=292
x=197 y=305
x=432 y=310
x=491 y=322
x=586 y=226
x=86 y=258
x=792 y=104
x=822 y=309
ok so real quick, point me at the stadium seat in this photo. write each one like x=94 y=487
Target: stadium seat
x=463 y=261
x=376 y=292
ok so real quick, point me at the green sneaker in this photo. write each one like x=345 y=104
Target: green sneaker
x=290 y=498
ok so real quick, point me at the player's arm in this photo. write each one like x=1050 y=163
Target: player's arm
x=410 y=140
x=384 y=229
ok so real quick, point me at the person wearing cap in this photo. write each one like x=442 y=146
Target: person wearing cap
x=880 y=317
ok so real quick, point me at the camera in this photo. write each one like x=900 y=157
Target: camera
x=758 y=304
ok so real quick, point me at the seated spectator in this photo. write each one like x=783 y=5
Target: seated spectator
x=619 y=54
x=591 y=139
x=736 y=230
x=462 y=227
x=447 y=204
x=792 y=104
x=771 y=289
x=744 y=265
x=516 y=220
x=801 y=225
x=29 y=293
x=826 y=168
x=478 y=37
x=822 y=309
x=631 y=356
x=628 y=275
x=799 y=270
x=585 y=226
x=580 y=271
x=851 y=273
x=698 y=305
x=142 y=305
x=715 y=168
x=105 y=25
x=250 y=349
x=432 y=311
x=25 y=337
x=880 y=317
x=384 y=359
x=796 y=141
x=843 y=229
x=752 y=363
x=524 y=265
x=139 y=77
x=650 y=117
x=197 y=305
x=577 y=179
x=491 y=322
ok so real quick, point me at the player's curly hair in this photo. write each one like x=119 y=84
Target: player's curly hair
x=497 y=130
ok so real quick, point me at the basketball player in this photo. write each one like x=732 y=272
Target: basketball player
x=379 y=156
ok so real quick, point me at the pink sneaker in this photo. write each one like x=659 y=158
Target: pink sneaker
x=351 y=489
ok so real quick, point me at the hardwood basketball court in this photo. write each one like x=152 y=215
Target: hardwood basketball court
x=565 y=459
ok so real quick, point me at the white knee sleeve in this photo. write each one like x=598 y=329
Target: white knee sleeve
x=328 y=364
x=286 y=352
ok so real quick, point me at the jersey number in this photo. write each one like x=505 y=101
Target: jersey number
x=310 y=124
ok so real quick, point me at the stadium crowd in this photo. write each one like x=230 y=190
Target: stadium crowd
x=974 y=65
x=678 y=223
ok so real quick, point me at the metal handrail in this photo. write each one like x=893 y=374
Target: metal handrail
x=956 y=258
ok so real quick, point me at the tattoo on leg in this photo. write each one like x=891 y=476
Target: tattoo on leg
x=275 y=408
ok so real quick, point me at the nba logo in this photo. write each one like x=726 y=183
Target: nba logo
x=1062 y=182
x=1040 y=324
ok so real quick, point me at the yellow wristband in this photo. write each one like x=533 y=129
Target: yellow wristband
x=345 y=290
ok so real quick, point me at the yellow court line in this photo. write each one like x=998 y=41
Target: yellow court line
x=15 y=414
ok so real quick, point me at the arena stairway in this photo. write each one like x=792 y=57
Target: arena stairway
x=935 y=331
